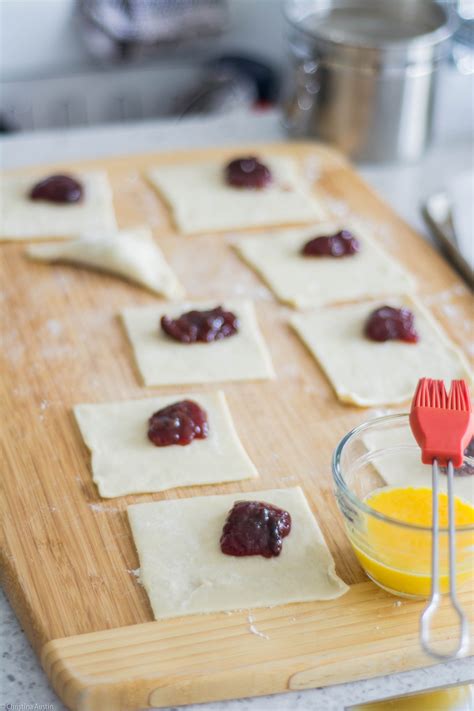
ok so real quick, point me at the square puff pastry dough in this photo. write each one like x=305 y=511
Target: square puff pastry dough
x=164 y=361
x=201 y=201
x=366 y=373
x=22 y=218
x=184 y=571
x=315 y=281
x=124 y=461
x=407 y=469
x=132 y=254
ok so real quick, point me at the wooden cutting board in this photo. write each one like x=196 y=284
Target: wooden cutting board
x=68 y=559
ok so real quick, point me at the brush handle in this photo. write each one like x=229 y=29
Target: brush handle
x=435 y=599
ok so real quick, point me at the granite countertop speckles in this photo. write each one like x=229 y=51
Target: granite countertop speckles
x=22 y=681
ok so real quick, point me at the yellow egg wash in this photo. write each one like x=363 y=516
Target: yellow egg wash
x=399 y=558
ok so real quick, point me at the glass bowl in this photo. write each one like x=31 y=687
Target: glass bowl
x=383 y=454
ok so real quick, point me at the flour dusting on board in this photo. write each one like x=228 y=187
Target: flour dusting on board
x=254 y=630
x=290 y=370
x=43 y=406
x=54 y=327
x=312 y=167
x=450 y=310
x=342 y=211
x=11 y=346
x=59 y=352
x=441 y=297
x=133 y=188
x=103 y=507
x=443 y=302
x=213 y=276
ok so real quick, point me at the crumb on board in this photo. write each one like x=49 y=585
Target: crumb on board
x=253 y=629
x=135 y=572
x=43 y=406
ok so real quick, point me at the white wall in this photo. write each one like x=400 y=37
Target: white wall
x=40 y=38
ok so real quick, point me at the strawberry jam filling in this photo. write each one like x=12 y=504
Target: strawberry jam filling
x=178 y=423
x=341 y=244
x=203 y=326
x=388 y=323
x=248 y=173
x=58 y=188
x=255 y=528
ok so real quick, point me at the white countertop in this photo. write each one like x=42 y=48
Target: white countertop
x=22 y=680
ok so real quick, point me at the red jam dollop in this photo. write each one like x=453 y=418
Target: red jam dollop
x=341 y=244
x=388 y=323
x=255 y=528
x=178 y=423
x=248 y=173
x=58 y=188
x=203 y=326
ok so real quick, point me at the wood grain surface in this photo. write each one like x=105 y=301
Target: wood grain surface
x=68 y=559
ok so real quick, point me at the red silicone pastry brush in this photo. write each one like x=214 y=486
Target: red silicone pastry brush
x=443 y=426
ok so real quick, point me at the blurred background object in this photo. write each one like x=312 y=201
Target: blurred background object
x=449 y=213
x=463 y=45
x=452 y=698
x=357 y=73
x=103 y=61
x=131 y=29
x=365 y=73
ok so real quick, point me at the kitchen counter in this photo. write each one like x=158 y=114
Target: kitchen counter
x=22 y=680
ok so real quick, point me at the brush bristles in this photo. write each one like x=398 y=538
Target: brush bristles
x=421 y=394
x=459 y=397
x=432 y=393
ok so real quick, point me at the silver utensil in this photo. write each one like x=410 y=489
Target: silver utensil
x=435 y=598
x=365 y=73
x=437 y=213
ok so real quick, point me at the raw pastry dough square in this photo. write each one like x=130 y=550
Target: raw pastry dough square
x=124 y=461
x=22 y=218
x=407 y=469
x=366 y=373
x=184 y=571
x=201 y=201
x=163 y=361
x=311 y=281
x=132 y=254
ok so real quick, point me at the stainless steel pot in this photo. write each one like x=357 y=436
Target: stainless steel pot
x=365 y=73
